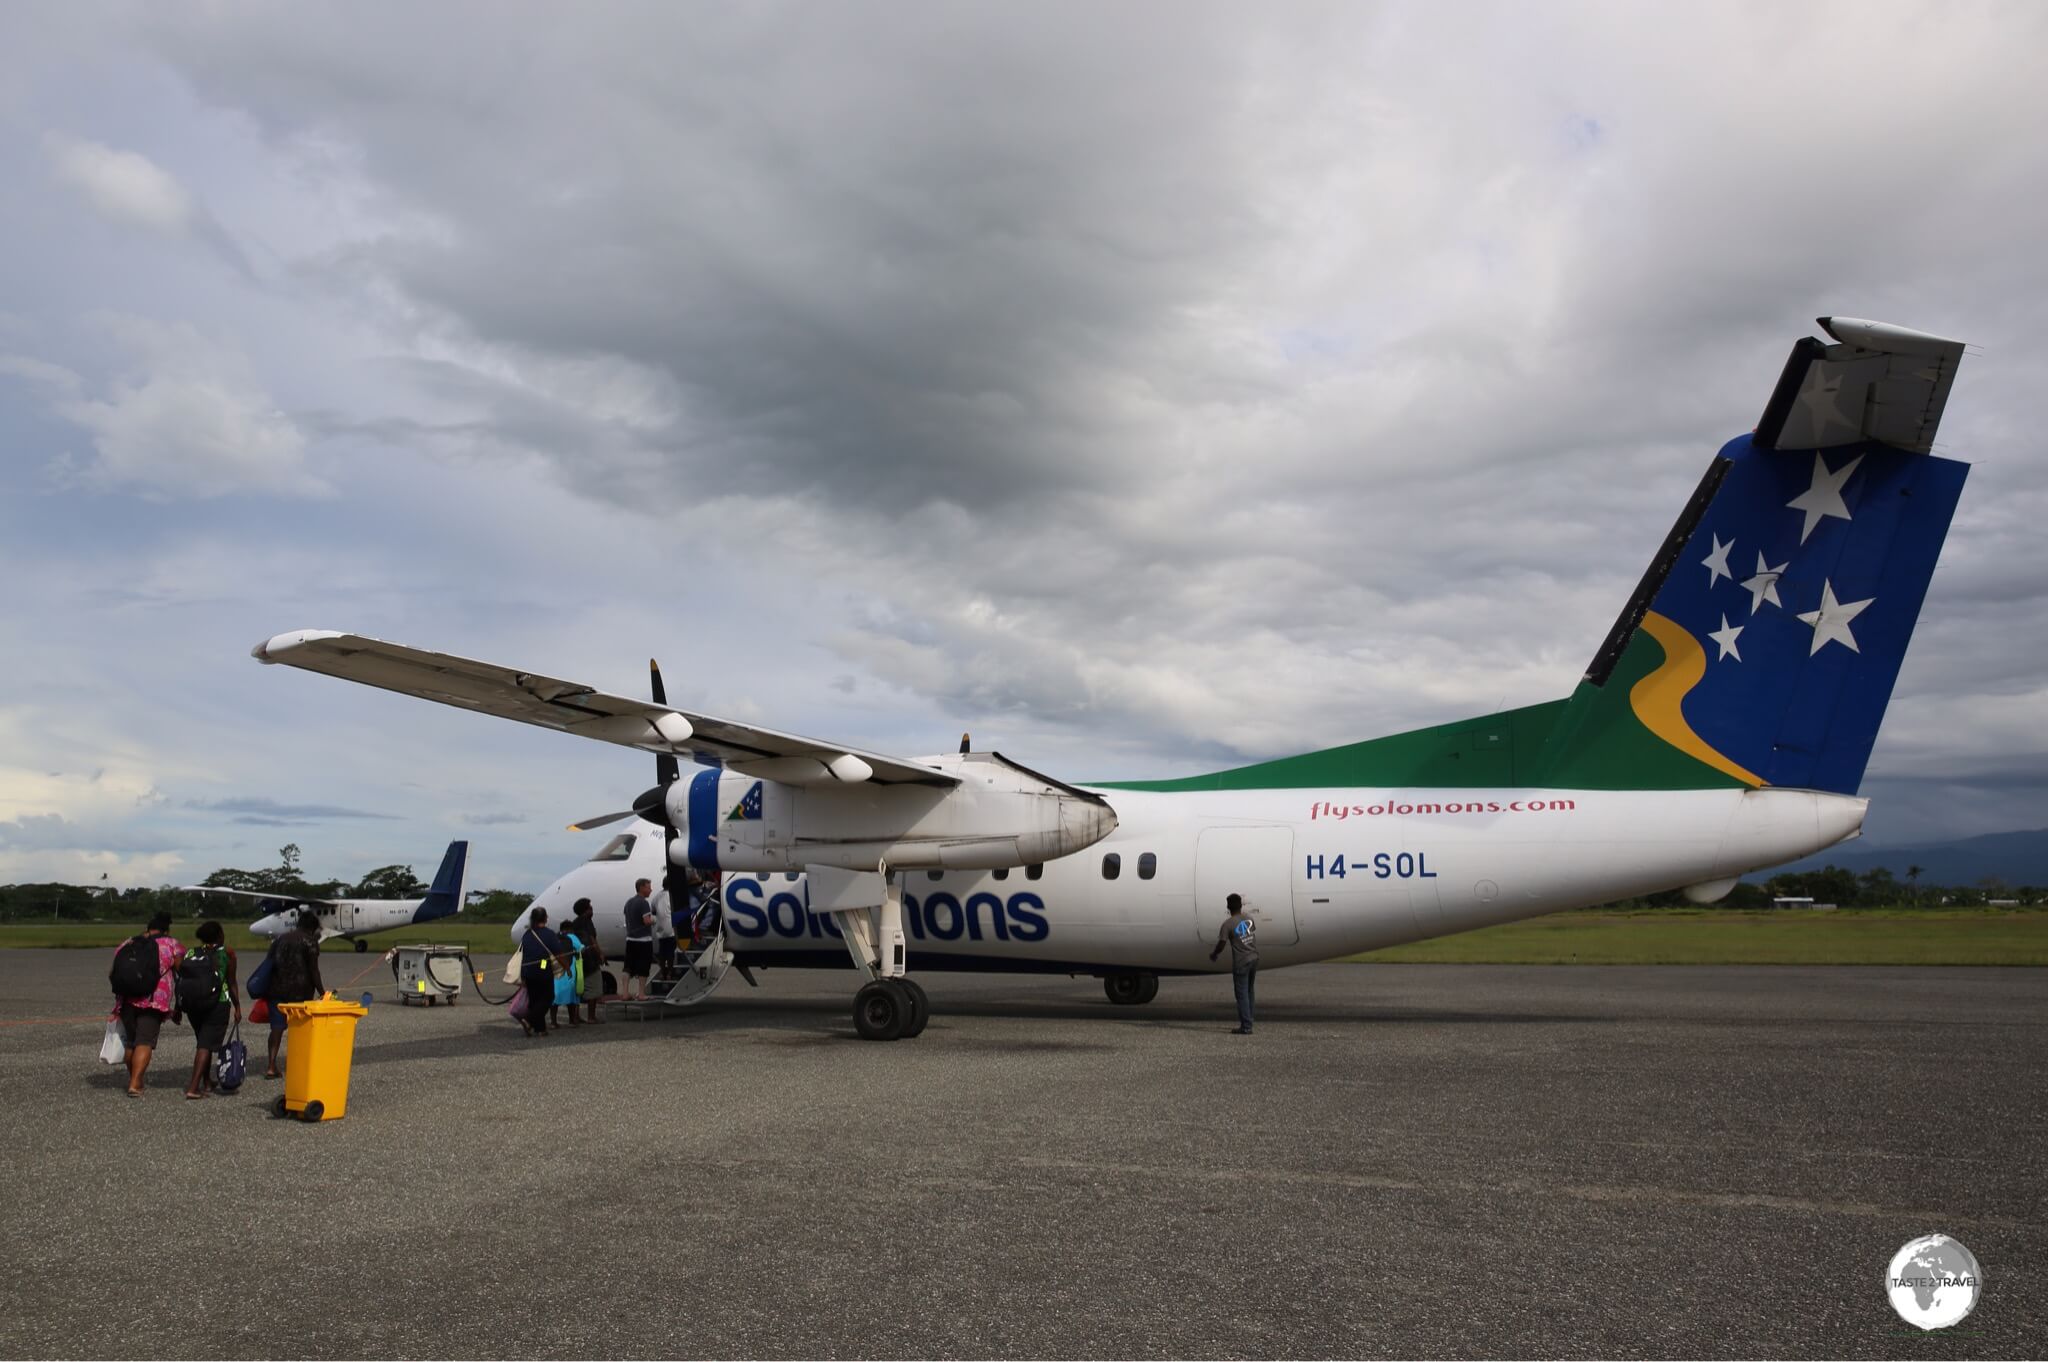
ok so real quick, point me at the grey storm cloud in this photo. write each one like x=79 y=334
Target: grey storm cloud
x=259 y=811
x=1163 y=383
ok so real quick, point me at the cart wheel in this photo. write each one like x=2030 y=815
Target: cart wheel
x=314 y=1111
x=277 y=1107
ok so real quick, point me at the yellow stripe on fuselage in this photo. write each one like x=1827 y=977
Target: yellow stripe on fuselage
x=1656 y=698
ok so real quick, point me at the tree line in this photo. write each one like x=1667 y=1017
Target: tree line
x=84 y=903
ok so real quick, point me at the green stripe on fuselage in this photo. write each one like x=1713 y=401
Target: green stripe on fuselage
x=1498 y=750
x=1590 y=741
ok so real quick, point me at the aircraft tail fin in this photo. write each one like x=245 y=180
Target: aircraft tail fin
x=1763 y=642
x=445 y=897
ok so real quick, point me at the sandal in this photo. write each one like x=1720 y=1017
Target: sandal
x=195 y=1096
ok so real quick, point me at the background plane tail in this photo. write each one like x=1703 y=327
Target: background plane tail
x=1763 y=643
x=450 y=882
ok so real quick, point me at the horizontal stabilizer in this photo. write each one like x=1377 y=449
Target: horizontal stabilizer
x=1879 y=382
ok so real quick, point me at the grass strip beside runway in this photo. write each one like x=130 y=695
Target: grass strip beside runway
x=1776 y=936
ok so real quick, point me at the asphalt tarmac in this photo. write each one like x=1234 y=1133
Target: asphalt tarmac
x=1455 y=1161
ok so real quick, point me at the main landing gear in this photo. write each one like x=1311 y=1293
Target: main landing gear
x=867 y=905
x=361 y=945
x=891 y=1009
x=1128 y=988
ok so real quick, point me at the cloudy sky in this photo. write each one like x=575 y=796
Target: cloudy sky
x=1143 y=387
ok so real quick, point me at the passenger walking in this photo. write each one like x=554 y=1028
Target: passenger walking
x=294 y=978
x=1241 y=934
x=639 y=939
x=142 y=978
x=584 y=925
x=209 y=995
x=568 y=978
x=538 y=949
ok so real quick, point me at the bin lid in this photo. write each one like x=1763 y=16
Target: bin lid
x=329 y=1006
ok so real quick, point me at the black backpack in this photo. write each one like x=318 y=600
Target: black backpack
x=198 y=982
x=137 y=968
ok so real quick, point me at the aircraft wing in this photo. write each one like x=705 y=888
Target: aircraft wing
x=255 y=894
x=572 y=707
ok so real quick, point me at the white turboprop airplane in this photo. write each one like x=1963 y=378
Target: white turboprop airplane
x=1722 y=727
x=354 y=919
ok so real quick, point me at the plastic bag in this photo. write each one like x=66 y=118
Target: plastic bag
x=112 y=1048
x=516 y=1009
x=260 y=1012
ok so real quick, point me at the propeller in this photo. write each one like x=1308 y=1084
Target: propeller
x=601 y=820
x=666 y=771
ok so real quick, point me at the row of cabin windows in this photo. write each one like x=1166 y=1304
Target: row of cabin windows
x=1112 y=866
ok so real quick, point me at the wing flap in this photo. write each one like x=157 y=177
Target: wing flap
x=574 y=708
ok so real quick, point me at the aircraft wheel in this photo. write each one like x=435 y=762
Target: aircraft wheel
x=881 y=1010
x=313 y=1110
x=361 y=946
x=1125 y=989
x=920 y=1007
x=1148 y=988
x=611 y=984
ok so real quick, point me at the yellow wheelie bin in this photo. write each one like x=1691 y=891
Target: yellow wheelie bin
x=320 y=1039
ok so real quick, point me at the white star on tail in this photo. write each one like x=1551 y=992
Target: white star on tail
x=1726 y=637
x=1716 y=563
x=1764 y=586
x=1831 y=622
x=1824 y=498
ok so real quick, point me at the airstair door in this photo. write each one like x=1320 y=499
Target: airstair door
x=702 y=967
x=1257 y=863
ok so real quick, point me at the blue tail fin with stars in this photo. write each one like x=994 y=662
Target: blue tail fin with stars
x=1763 y=643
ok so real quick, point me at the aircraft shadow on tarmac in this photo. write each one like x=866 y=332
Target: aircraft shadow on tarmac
x=822 y=1021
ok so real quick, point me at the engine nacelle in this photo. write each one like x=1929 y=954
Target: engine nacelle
x=999 y=815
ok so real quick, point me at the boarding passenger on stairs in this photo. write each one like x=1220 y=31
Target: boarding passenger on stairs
x=665 y=931
x=1241 y=934
x=639 y=939
x=294 y=977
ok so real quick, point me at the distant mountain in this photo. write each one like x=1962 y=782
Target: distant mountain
x=2015 y=857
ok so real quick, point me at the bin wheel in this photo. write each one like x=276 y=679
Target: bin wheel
x=277 y=1107
x=314 y=1110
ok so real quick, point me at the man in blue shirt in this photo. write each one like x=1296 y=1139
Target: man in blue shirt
x=1241 y=934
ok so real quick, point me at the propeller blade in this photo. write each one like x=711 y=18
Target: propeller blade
x=600 y=821
x=665 y=767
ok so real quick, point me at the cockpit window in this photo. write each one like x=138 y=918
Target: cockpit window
x=620 y=848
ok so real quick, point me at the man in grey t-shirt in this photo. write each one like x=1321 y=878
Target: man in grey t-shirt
x=639 y=939
x=1241 y=934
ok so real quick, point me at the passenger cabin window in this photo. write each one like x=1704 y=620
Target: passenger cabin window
x=1112 y=866
x=1148 y=866
x=620 y=848
x=1003 y=873
x=1032 y=872
x=789 y=875
x=934 y=874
